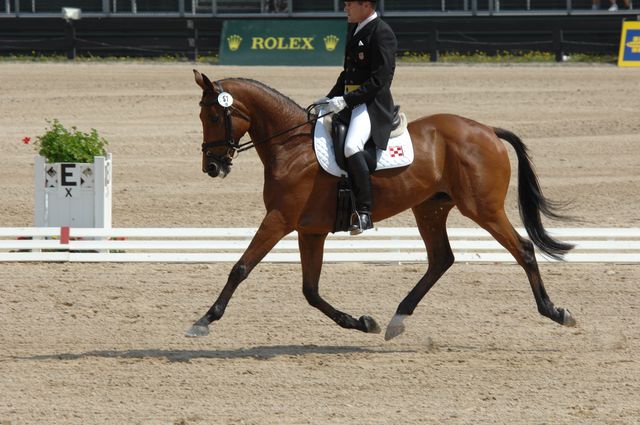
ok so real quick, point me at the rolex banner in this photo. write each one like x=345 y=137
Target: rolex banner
x=283 y=42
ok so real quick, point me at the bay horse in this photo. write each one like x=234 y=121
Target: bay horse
x=458 y=162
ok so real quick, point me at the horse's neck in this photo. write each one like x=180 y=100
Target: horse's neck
x=269 y=124
x=269 y=117
x=295 y=145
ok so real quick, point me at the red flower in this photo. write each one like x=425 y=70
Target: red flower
x=26 y=140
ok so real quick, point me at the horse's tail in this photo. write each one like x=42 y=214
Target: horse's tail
x=532 y=202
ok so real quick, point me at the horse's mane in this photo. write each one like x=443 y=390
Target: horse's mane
x=289 y=105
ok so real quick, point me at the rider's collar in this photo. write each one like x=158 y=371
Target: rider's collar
x=365 y=22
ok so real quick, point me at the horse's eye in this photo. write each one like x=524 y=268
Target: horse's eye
x=215 y=118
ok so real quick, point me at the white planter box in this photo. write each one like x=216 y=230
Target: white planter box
x=73 y=194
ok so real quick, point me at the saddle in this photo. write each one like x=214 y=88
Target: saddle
x=339 y=128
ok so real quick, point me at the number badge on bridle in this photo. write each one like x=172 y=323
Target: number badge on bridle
x=225 y=99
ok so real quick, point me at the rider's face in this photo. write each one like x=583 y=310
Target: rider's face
x=357 y=11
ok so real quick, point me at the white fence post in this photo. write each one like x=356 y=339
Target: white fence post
x=102 y=191
x=40 y=208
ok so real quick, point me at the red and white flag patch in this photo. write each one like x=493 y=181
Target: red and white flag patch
x=395 y=151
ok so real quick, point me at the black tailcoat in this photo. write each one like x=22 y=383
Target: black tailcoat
x=370 y=61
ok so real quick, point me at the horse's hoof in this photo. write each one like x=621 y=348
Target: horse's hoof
x=200 y=328
x=370 y=325
x=395 y=327
x=568 y=319
x=197 y=330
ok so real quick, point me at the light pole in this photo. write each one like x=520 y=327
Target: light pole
x=71 y=14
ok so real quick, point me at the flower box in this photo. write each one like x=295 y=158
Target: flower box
x=73 y=194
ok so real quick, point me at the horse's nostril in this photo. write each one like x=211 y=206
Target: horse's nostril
x=213 y=169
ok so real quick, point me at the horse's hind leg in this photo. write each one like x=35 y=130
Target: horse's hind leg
x=522 y=250
x=431 y=218
x=311 y=252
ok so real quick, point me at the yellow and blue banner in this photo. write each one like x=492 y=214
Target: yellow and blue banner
x=630 y=44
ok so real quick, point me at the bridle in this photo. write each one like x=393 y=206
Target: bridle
x=233 y=147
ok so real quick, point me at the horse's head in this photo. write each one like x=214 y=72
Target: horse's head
x=223 y=124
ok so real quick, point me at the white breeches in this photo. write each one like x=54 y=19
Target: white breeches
x=359 y=131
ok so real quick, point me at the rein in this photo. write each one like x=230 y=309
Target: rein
x=251 y=144
x=228 y=125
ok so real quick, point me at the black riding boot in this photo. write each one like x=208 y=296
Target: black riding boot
x=361 y=182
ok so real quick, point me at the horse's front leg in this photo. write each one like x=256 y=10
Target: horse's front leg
x=272 y=229
x=311 y=252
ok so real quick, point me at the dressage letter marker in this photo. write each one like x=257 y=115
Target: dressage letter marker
x=73 y=194
x=67 y=174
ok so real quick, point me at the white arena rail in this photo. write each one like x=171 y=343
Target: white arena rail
x=206 y=245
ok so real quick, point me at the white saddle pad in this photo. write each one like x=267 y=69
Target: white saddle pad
x=399 y=151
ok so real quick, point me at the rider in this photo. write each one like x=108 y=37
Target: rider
x=364 y=88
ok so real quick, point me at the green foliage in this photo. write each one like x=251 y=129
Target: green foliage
x=403 y=57
x=44 y=57
x=504 y=57
x=61 y=145
x=499 y=57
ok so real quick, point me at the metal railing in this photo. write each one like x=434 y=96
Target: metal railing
x=302 y=7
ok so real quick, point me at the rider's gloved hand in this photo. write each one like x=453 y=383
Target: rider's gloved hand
x=336 y=104
x=321 y=101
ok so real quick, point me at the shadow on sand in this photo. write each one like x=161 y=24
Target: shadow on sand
x=259 y=353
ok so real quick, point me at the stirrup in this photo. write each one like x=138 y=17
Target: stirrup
x=360 y=223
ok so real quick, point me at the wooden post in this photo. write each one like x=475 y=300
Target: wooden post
x=71 y=39
x=193 y=41
x=557 y=43
x=433 y=45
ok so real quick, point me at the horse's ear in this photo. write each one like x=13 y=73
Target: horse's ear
x=199 y=79
x=202 y=81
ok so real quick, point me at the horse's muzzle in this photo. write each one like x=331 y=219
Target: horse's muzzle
x=217 y=168
x=213 y=169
